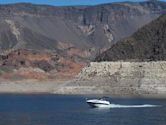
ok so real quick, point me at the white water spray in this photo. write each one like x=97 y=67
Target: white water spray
x=132 y=106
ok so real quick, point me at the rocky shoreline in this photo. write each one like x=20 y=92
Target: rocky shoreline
x=141 y=79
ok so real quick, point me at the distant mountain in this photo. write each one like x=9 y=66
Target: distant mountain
x=147 y=44
x=29 y=26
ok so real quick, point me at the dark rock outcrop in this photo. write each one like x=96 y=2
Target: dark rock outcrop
x=147 y=44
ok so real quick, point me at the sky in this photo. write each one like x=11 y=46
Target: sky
x=65 y=2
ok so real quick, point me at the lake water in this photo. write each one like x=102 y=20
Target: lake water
x=72 y=110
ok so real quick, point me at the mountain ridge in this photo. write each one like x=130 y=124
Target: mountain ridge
x=83 y=27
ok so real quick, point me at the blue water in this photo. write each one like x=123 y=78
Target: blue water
x=72 y=110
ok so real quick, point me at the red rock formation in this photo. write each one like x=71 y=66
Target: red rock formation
x=30 y=64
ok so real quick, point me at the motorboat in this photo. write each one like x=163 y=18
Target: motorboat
x=98 y=103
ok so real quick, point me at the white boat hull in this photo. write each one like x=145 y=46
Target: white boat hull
x=98 y=103
x=100 y=106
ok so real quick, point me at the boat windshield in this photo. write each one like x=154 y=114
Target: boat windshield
x=103 y=98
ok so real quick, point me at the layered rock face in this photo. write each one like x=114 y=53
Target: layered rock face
x=121 y=78
x=112 y=78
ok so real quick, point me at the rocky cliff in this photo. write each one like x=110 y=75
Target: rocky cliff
x=112 y=78
x=120 y=79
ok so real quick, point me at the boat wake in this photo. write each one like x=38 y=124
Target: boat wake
x=132 y=106
x=103 y=103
